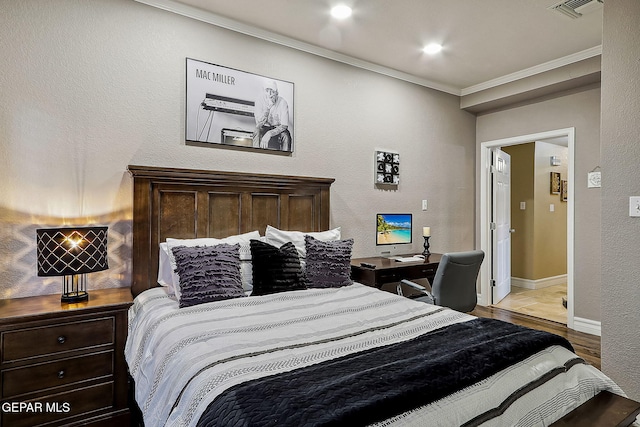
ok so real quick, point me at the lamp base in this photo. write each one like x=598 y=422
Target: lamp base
x=75 y=296
x=74 y=288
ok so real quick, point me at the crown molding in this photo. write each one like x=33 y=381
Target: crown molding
x=233 y=25
x=532 y=71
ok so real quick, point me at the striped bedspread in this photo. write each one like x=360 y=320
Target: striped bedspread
x=183 y=359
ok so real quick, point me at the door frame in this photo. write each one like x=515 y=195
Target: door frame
x=485 y=209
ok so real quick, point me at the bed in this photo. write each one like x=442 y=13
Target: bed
x=344 y=354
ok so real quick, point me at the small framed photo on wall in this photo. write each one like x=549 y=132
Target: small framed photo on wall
x=555 y=182
x=387 y=168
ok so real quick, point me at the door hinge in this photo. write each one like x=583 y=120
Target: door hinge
x=493 y=283
x=492 y=226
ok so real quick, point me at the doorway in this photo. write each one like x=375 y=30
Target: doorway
x=486 y=150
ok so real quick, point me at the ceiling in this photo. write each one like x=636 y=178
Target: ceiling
x=483 y=40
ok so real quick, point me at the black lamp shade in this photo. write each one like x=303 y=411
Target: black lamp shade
x=72 y=250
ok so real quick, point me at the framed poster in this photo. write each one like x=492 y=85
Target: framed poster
x=229 y=107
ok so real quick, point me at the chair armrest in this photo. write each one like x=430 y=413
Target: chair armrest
x=414 y=285
x=426 y=295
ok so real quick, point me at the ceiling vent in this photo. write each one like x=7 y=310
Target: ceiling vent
x=576 y=8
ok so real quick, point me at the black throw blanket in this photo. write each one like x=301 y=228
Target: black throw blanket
x=370 y=386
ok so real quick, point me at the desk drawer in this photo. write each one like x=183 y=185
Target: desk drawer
x=54 y=374
x=389 y=276
x=419 y=271
x=46 y=340
x=408 y=272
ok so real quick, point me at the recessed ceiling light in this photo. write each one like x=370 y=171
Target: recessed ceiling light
x=341 y=11
x=432 y=48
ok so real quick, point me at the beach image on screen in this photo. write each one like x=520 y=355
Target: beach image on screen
x=393 y=229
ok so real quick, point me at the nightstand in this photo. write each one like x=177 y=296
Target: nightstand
x=64 y=363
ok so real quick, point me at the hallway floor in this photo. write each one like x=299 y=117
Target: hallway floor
x=545 y=303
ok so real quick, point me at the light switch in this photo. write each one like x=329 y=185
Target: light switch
x=523 y=206
x=634 y=206
x=424 y=205
x=552 y=207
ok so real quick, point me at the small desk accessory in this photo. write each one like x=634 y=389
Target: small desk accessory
x=426 y=233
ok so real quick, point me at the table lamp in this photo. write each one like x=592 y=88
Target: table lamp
x=72 y=252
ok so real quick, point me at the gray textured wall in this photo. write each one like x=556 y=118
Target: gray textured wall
x=91 y=86
x=621 y=179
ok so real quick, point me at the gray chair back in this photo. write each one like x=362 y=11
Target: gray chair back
x=454 y=285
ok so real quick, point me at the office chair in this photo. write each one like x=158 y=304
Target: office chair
x=454 y=284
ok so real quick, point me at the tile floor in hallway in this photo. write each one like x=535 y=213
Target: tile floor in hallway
x=545 y=303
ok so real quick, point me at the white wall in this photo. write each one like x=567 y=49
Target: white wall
x=90 y=87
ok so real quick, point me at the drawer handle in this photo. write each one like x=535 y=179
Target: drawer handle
x=61 y=374
x=62 y=339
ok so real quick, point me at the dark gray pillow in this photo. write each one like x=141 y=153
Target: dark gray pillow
x=208 y=273
x=275 y=269
x=328 y=263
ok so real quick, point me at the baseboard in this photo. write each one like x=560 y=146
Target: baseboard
x=545 y=282
x=587 y=326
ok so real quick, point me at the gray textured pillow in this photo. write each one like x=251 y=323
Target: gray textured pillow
x=208 y=273
x=328 y=263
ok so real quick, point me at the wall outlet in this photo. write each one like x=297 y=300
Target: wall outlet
x=523 y=206
x=424 y=205
x=634 y=206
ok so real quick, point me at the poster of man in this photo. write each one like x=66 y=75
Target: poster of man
x=235 y=108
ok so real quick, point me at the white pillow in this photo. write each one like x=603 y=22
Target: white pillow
x=278 y=238
x=165 y=274
x=245 y=255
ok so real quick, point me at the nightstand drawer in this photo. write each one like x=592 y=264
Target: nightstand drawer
x=55 y=374
x=62 y=405
x=17 y=345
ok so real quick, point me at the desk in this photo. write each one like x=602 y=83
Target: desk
x=389 y=271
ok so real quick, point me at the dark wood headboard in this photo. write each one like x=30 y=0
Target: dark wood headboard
x=186 y=204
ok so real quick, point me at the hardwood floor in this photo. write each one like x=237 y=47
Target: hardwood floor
x=586 y=346
x=545 y=303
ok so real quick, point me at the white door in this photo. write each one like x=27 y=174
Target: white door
x=501 y=225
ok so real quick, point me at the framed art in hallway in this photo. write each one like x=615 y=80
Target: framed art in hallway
x=564 y=190
x=555 y=182
x=233 y=108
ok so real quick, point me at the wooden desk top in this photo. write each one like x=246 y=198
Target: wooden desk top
x=386 y=263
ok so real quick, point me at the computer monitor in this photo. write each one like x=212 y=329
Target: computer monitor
x=394 y=232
